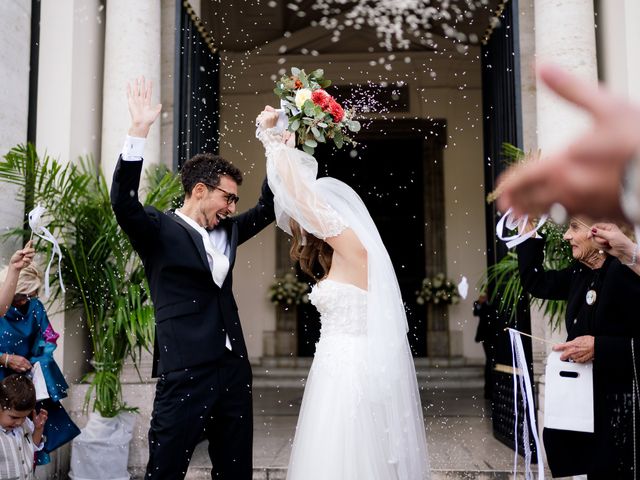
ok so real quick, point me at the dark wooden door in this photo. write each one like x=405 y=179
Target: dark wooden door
x=387 y=172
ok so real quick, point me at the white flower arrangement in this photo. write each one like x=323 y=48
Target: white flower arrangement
x=437 y=290
x=288 y=291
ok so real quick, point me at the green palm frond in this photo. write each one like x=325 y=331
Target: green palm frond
x=504 y=278
x=506 y=287
x=512 y=154
x=102 y=274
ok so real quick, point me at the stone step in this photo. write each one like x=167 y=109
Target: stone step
x=291 y=370
x=428 y=377
x=200 y=473
x=272 y=362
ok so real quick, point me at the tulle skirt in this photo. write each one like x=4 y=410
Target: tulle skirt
x=338 y=436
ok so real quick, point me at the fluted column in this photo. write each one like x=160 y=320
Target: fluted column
x=15 y=38
x=132 y=48
x=565 y=35
x=621 y=65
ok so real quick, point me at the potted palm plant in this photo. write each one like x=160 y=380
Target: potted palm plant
x=502 y=279
x=104 y=280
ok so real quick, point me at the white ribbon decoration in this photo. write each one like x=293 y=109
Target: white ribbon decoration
x=508 y=220
x=36 y=223
x=520 y=369
x=463 y=288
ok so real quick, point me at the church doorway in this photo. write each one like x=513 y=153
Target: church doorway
x=396 y=168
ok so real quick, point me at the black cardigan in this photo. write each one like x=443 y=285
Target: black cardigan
x=613 y=320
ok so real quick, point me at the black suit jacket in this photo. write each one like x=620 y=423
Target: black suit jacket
x=193 y=314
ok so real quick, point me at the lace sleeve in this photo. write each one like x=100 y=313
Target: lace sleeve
x=292 y=178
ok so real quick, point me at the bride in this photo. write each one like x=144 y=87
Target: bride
x=361 y=416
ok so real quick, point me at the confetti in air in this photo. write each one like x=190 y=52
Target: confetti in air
x=399 y=23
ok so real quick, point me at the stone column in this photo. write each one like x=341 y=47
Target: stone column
x=70 y=78
x=621 y=65
x=68 y=121
x=132 y=48
x=15 y=38
x=564 y=35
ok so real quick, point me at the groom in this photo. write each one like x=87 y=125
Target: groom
x=204 y=385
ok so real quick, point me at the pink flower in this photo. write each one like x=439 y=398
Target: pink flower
x=336 y=111
x=321 y=98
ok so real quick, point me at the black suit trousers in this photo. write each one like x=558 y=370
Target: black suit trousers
x=211 y=401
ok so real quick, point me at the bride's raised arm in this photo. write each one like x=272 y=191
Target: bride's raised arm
x=292 y=178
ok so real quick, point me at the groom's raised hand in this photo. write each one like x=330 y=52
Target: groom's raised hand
x=143 y=114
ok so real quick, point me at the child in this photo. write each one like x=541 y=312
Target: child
x=20 y=437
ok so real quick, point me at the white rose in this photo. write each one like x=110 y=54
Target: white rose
x=302 y=96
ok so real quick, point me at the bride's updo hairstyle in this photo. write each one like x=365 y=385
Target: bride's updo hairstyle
x=313 y=254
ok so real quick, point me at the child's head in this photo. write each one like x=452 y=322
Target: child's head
x=17 y=401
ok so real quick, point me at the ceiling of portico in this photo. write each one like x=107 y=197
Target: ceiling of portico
x=272 y=27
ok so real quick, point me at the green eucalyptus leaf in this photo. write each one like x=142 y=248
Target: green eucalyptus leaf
x=304 y=79
x=309 y=109
x=295 y=125
x=295 y=71
x=325 y=83
x=308 y=149
x=311 y=143
x=318 y=74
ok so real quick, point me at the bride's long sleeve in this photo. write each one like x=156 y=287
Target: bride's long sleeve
x=292 y=178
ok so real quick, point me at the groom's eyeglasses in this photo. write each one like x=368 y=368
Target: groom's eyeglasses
x=230 y=197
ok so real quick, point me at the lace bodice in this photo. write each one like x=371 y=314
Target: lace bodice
x=342 y=307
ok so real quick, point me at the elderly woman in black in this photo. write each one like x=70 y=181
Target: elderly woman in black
x=603 y=327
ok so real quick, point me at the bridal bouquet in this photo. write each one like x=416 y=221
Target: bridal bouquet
x=313 y=114
x=437 y=290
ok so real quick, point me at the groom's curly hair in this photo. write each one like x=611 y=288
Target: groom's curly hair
x=207 y=168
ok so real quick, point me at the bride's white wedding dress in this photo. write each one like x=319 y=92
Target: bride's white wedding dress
x=361 y=416
x=336 y=436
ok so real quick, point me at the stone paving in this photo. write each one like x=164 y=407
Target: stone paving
x=461 y=443
x=458 y=425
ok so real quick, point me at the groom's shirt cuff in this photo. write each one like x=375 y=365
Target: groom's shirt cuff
x=133 y=149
